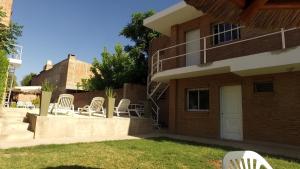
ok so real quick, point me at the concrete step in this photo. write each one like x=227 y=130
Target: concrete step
x=7 y=128
x=17 y=136
x=11 y=119
x=13 y=114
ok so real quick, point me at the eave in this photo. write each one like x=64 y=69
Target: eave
x=176 y=14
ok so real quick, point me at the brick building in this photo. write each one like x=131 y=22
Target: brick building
x=6 y=6
x=64 y=75
x=221 y=80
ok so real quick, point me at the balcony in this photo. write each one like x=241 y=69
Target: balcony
x=15 y=59
x=255 y=52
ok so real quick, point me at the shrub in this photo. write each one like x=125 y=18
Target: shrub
x=3 y=73
x=36 y=102
x=13 y=105
x=47 y=86
x=110 y=92
x=26 y=81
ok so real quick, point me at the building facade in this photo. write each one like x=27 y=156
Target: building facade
x=65 y=75
x=220 y=80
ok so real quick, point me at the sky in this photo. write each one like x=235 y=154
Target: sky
x=55 y=28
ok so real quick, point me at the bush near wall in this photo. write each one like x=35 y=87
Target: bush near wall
x=3 y=73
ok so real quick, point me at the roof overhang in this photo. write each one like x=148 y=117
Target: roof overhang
x=27 y=89
x=176 y=14
x=263 y=14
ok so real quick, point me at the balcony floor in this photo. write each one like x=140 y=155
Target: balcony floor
x=15 y=62
x=258 y=64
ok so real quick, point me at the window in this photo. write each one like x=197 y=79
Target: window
x=197 y=99
x=263 y=87
x=225 y=32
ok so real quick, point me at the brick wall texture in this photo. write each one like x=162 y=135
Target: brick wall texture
x=64 y=75
x=269 y=117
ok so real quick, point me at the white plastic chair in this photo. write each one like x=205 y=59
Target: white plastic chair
x=123 y=107
x=21 y=104
x=64 y=105
x=96 y=107
x=29 y=105
x=244 y=160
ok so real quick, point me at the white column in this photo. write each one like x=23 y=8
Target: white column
x=283 y=38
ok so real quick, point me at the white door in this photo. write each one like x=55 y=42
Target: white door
x=194 y=47
x=231 y=113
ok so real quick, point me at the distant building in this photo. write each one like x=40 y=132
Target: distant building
x=65 y=75
x=6 y=6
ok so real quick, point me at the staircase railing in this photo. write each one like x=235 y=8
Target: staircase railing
x=151 y=93
x=8 y=93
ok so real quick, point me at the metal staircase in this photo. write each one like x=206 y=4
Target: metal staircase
x=154 y=92
x=6 y=101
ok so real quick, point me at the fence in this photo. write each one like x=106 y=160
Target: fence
x=136 y=94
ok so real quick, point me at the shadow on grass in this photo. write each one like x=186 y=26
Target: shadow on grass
x=71 y=167
x=192 y=143
x=225 y=148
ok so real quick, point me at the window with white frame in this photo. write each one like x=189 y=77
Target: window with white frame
x=224 y=32
x=197 y=99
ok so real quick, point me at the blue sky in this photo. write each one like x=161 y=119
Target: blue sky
x=54 y=28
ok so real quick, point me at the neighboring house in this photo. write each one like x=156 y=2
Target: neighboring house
x=219 y=80
x=65 y=75
x=25 y=93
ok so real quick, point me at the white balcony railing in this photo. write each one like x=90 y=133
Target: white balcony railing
x=15 y=59
x=162 y=58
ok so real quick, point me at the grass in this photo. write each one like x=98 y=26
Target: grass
x=146 y=153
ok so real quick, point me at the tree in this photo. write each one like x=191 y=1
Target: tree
x=126 y=65
x=139 y=52
x=114 y=70
x=26 y=81
x=138 y=33
x=9 y=34
x=3 y=74
x=12 y=78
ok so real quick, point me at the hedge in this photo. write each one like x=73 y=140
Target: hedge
x=3 y=74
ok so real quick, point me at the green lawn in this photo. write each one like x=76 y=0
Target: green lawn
x=147 y=153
